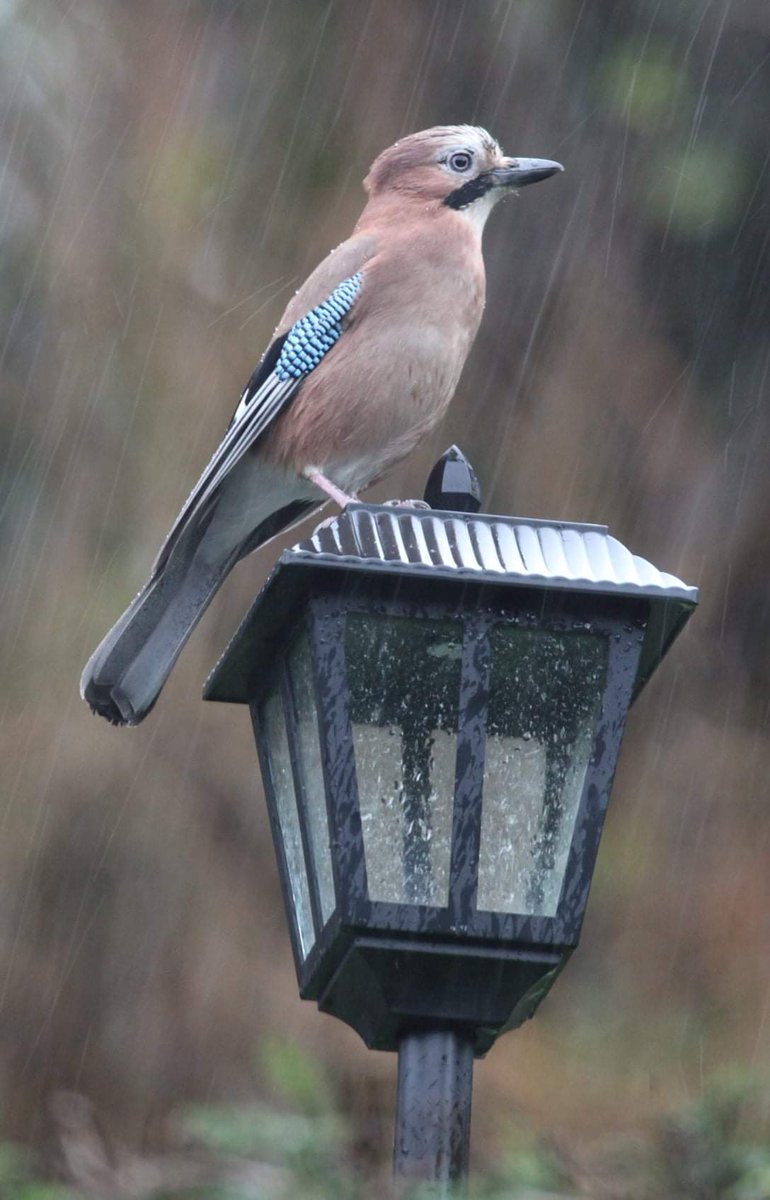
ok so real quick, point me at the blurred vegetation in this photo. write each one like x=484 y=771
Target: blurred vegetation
x=169 y=174
x=709 y=1149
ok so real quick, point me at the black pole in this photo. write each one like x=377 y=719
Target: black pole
x=433 y=1109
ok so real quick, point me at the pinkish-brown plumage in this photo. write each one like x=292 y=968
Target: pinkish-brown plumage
x=390 y=378
x=379 y=376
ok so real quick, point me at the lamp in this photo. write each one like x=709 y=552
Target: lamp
x=438 y=700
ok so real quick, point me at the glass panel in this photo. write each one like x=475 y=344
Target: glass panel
x=309 y=754
x=277 y=746
x=404 y=680
x=545 y=699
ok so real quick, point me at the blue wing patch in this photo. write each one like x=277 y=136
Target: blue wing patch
x=313 y=335
x=272 y=386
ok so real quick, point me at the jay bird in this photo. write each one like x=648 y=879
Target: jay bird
x=361 y=367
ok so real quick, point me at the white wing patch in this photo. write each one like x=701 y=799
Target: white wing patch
x=276 y=380
x=255 y=412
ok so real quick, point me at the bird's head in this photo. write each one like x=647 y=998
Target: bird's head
x=460 y=166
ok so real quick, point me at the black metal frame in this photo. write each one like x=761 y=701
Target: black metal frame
x=387 y=968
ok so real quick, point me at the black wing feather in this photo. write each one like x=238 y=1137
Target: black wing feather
x=259 y=375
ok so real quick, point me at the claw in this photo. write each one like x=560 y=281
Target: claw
x=405 y=504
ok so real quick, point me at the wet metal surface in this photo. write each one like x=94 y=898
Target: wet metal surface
x=433 y=1110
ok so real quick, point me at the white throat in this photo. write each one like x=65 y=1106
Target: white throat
x=476 y=213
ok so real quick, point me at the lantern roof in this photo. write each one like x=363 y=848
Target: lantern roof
x=417 y=542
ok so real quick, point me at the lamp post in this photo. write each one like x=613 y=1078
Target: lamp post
x=438 y=699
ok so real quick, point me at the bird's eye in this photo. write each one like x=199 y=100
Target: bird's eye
x=460 y=161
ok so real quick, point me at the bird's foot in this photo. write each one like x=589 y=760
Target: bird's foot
x=332 y=491
x=385 y=504
x=405 y=504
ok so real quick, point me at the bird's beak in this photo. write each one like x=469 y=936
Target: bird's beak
x=518 y=172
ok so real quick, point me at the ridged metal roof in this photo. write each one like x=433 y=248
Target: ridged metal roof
x=506 y=551
x=527 y=552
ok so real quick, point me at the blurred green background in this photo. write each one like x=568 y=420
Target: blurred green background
x=171 y=170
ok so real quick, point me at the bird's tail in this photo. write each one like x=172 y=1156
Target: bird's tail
x=123 y=677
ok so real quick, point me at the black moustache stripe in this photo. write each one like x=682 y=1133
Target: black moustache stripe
x=463 y=196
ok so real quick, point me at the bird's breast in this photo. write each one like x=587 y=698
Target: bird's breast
x=390 y=377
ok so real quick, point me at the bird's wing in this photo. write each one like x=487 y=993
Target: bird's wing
x=286 y=364
x=340 y=263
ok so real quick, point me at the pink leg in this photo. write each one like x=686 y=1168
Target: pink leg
x=332 y=491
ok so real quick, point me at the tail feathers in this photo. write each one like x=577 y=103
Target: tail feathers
x=124 y=676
